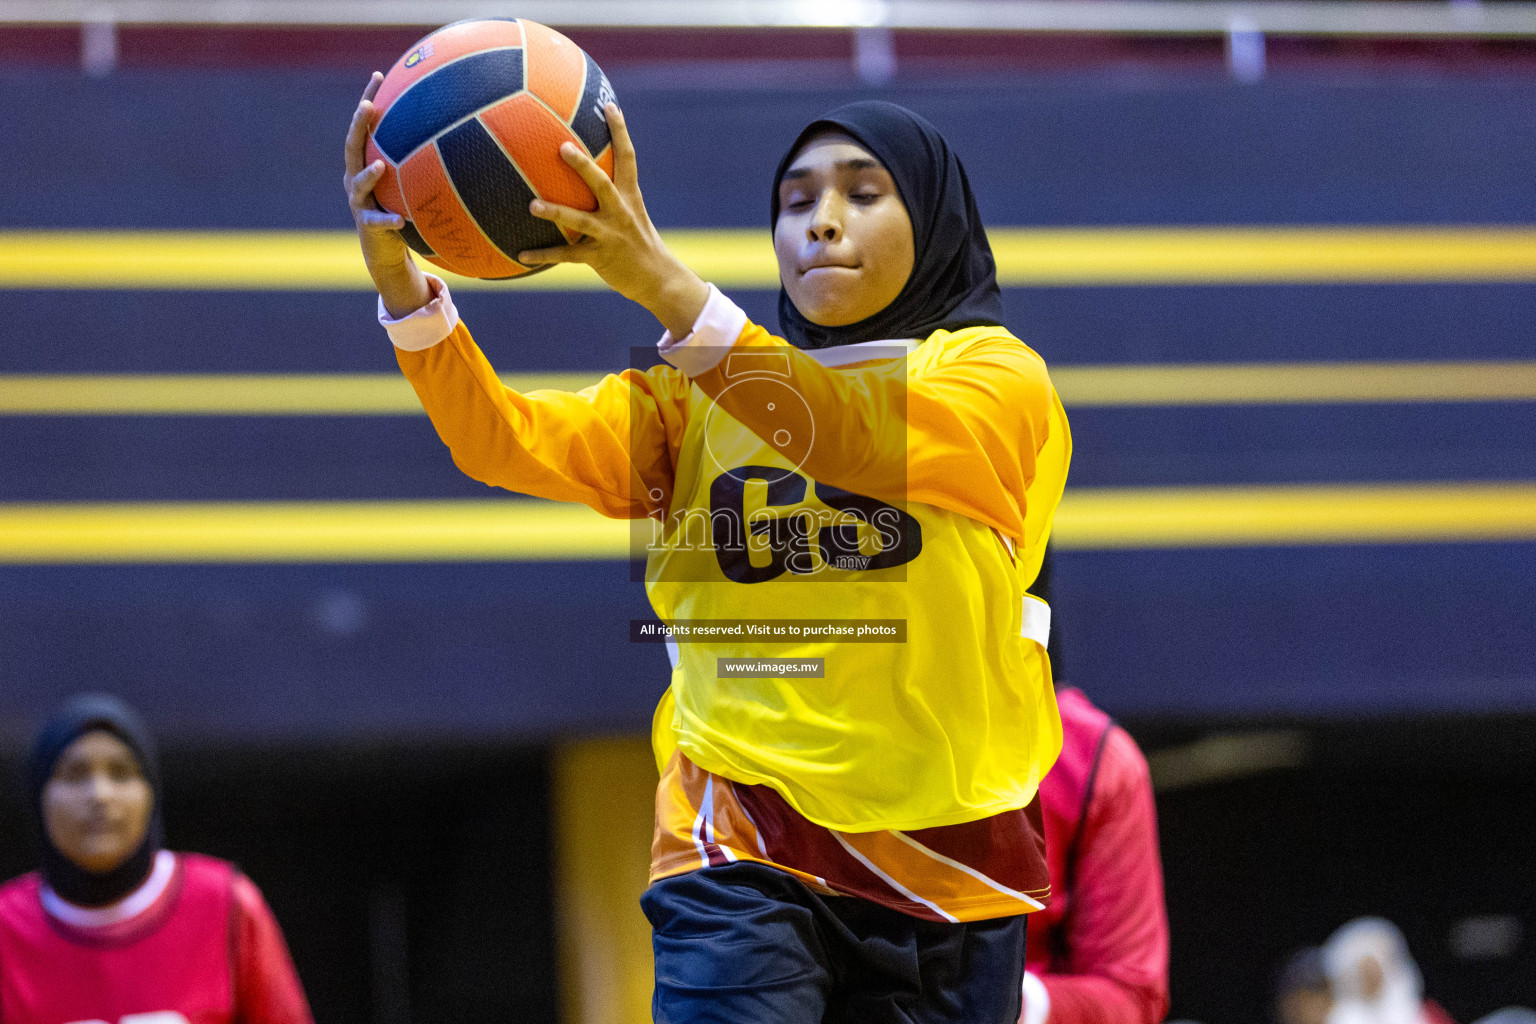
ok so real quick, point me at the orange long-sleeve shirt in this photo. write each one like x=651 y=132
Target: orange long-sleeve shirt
x=972 y=428
x=961 y=436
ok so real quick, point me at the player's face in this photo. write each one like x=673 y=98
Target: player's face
x=843 y=238
x=96 y=804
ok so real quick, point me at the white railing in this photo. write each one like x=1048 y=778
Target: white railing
x=1380 y=18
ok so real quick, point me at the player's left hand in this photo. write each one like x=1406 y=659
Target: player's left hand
x=620 y=241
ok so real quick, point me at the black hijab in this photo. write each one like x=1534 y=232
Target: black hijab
x=79 y=715
x=954 y=281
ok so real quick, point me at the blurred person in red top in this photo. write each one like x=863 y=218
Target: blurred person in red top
x=113 y=928
x=1098 y=953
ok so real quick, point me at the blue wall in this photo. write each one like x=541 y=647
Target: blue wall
x=524 y=649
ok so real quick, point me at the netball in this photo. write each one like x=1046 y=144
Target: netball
x=469 y=123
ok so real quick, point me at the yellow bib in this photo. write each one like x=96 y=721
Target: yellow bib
x=955 y=724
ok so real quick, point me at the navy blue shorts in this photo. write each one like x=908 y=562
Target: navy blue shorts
x=747 y=944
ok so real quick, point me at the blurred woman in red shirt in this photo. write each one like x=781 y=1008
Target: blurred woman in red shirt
x=1098 y=953
x=113 y=929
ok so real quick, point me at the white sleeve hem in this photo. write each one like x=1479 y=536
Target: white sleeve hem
x=1037 y=1000
x=426 y=326
x=720 y=323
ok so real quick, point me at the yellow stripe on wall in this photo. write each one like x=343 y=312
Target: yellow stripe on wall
x=372 y=394
x=1294 y=383
x=731 y=258
x=1178 y=517
x=1080 y=387
x=219 y=260
x=1264 y=255
x=339 y=531
x=521 y=530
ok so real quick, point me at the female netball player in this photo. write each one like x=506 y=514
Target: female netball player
x=862 y=845
x=1099 y=953
x=113 y=928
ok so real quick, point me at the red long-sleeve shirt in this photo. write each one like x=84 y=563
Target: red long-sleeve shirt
x=204 y=949
x=1101 y=947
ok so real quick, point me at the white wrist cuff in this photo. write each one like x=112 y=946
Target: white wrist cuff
x=1037 y=1001
x=720 y=323
x=428 y=325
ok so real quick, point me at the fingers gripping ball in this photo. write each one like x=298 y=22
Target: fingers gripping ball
x=469 y=124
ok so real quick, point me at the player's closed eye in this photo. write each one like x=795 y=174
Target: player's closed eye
x=865 y=197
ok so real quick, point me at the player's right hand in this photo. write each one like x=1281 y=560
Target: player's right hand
x=395 y=274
